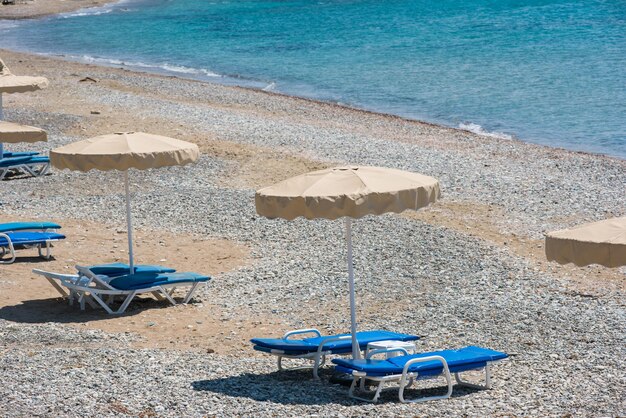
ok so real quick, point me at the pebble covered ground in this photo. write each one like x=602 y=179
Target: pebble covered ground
x=568 y=348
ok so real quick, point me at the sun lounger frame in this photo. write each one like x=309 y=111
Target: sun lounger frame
x=95 y=290
x=406 y=378
x=10 y=249
x=318 y=357
x=28 y=168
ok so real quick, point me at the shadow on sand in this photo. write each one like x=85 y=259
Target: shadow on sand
x=39 y=311
x=298 y=387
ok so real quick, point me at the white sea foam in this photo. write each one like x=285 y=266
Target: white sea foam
x=161 y=67
x=477 y=129
x=270 y=87
x=95 y=11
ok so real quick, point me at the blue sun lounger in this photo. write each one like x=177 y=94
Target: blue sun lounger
x=317 y=348
x=9 y=154
x=98 y=289
x=121 y=269
x=405 y=369
x=36 y=166
x=22 y=235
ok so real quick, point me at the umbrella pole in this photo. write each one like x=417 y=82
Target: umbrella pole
x=129 y=225
x=356 y=352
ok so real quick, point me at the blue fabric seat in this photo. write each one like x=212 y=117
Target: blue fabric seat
x=464 y=359
x=149 y=279
x=28 y=226
x=7 y=162
x=21 y=239
x=9 y=154
x=40 y=159
x=121 y=269
x=308 y=345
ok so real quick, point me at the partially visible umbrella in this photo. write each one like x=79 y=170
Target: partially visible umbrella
x=10 y=83
x=122 y=151
x=602 y=242
x=351 y=192
x=13 y=132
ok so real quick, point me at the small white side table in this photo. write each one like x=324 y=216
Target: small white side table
x=387 y=344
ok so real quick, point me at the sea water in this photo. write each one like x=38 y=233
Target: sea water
x=550 y=72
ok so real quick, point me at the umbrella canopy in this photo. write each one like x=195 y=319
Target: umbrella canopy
x=602 y=242
x=10 y=83
x=123 y=151
x=13 y=132
x=351 y=192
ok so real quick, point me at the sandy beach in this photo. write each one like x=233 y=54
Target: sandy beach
x=469 y=270
x=30 y=9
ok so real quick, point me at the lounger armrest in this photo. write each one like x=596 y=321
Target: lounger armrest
x=424 y=360
x=386 y=350
x=8 y=238
x=325 y=341
x=59 y=276
x=301 y=331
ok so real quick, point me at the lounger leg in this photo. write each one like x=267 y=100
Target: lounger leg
x=58 y=288
x=48 y=253
x=190 y=293
x=318 y=362
x=487 y=384
x=407 y=377
x=379 y=388
x=168 y=296
x=127 y=301
x=101 y=303
x=157 y=295
x=11 y=248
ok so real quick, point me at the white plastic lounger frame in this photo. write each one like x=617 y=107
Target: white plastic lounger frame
x=406 y=379
x=318 y=357
x=27 y=168
x=89 y=288
x=10 y=249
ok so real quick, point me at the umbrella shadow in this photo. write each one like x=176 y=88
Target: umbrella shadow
x=296 y=387
x=58 y=310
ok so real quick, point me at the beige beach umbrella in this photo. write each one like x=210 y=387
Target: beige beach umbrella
x=122 y=151
x=602 y=242
x=350 y=192
x=13 y=132
x=10 y=83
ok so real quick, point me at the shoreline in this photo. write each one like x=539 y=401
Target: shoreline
x=495 y=136
x=35 y=9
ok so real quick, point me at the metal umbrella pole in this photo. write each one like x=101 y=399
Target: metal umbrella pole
x=356 y=351
x=129 y=225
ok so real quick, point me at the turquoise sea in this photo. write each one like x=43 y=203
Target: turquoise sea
x=550 y=72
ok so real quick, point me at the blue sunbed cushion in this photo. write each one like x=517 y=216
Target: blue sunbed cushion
x=9 y=154
x=38 y=160
x=149 y=279
x=307 y=345
x=11 y=161
x=463 y=359
x=24 y=226
x=30 y=238
x=121 y=269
